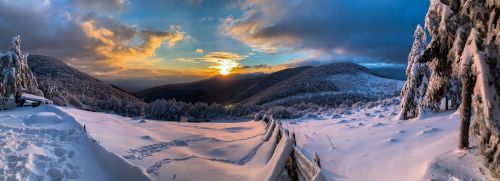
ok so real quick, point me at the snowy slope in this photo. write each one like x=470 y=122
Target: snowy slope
x=329 y=85
x=44 y=144
x=369 y=144
x=55 y=143
x=189 y=151
x=49 y=142
x=355 y=85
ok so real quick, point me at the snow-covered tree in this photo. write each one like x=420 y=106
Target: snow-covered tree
x=16 y=77
x=417 y=73
x=466 y=73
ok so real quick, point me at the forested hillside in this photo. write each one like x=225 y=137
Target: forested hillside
x=67 y=86
x=220 y=89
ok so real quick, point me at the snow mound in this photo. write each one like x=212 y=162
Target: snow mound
x=43 y=118
x=457 y=166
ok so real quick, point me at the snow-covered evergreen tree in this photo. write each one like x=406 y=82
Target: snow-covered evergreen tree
x=16 y=77
x=417 y=73
x=466 y=73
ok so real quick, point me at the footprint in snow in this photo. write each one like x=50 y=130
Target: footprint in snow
x=430 y=130
x=391 y=140
x=378 y=124
x=342 y=121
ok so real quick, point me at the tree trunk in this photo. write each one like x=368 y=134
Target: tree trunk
x=465 y=109
x=446 y=97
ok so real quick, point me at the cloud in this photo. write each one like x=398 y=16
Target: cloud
x=214 y=57
x=190 y=60
x=85 y=36
x=101 y=5
x=195 y=2
x=223 y=62
x=116 y=50
x=198 y=50
x=140 y=79
x=378 y=29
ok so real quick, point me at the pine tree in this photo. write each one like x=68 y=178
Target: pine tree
x=417 y=73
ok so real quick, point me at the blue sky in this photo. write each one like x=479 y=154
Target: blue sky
x=169 y=41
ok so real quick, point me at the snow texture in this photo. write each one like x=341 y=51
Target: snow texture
x=391 y=149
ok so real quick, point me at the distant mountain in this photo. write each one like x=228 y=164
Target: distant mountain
x=331 y=84
x=396 y=72
x=66 y=85
x=325 y=85
x=220 y=89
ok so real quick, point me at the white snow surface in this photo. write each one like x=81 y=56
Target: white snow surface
x=365 y=84
x=371 y=144
x=49 y=143
x=49 y=147
x=190 y=151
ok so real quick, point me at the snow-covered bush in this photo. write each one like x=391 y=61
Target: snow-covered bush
x=258 y=116
x=173 y=110
x=280 y=112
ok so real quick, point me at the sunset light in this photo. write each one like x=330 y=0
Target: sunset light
x=225 y=66
x=271 y=90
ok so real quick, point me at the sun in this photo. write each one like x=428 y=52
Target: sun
x=224 y=71
x=226 y=66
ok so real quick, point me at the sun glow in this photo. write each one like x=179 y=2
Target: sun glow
x=226 y=66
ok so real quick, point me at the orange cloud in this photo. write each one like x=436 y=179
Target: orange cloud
x=199 y=50
x=225 y=62
x=117 y=52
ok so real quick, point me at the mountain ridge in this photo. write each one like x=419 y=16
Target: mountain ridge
x=67 y=86
x=255 y=89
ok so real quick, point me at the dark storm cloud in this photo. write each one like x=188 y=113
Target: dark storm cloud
x=259 y=66
x=380 y=29
x=46 y=31
x=41 y=30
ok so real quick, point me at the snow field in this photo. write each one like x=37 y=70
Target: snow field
x=191 y=151
x=371 y=144
x=58 y=151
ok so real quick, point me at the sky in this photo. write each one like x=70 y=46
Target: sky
x=138 y=44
